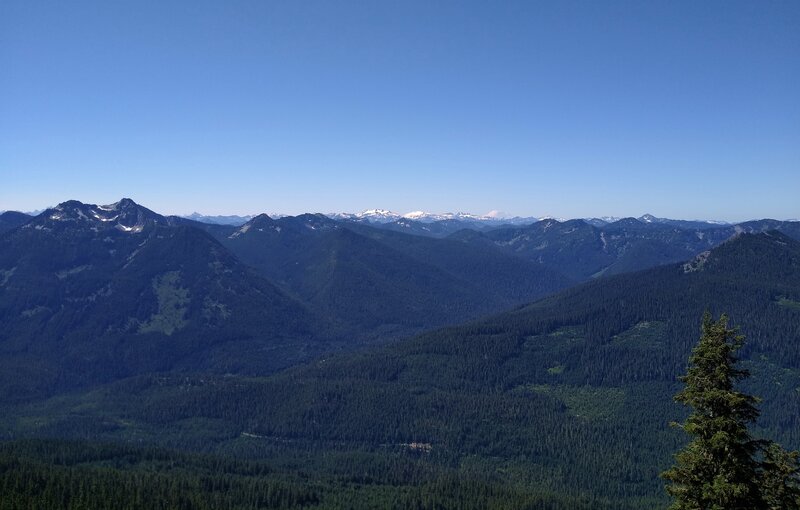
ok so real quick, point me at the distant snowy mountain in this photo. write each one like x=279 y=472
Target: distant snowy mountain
x=698 y=224
x=386 y=216
x=378 y=215
x=431 y=217
x=370 y=215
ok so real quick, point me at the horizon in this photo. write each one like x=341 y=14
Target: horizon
x=561 y=109
x=493 y=214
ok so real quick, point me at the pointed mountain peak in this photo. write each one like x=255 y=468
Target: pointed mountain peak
x=262 y=218
x=125 y=203
x=258 y=224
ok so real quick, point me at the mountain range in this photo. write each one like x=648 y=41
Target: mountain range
x=358 y=364
x=381 y=216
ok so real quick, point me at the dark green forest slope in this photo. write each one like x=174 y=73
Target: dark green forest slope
x=562 y=403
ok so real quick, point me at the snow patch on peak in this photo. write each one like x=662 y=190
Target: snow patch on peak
x=109 y=207
x=134 y=229
x=102 y=218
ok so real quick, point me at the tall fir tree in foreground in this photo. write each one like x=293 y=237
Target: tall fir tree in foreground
x=724 y=467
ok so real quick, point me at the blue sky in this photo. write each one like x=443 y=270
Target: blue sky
x=570 y=109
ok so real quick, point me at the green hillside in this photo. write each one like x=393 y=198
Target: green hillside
x=567 y=400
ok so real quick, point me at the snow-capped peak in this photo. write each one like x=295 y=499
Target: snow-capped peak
x=125 y=216
x=430 y=217
x=386 y=216
x=378 y=215
x=415 y=215
x=372 y=215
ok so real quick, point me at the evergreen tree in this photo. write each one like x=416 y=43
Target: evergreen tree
x=719 y=469
x=781 y=478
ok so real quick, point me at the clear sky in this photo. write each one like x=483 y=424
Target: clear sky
x=684 y=109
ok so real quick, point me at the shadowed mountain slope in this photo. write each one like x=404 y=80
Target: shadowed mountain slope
x=384 y=283
x=93 y=293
